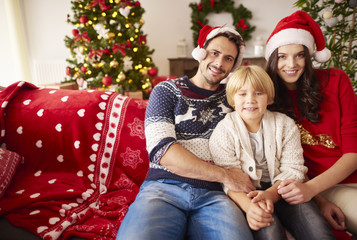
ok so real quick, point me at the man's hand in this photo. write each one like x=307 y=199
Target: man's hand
x=238 y=181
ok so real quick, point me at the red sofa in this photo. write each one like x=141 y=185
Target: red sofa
x=75 y=160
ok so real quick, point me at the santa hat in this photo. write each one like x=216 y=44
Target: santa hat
x=206 y=33
x=299 y=28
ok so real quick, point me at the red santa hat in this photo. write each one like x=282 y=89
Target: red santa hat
x=206 y=33
x=299 y=28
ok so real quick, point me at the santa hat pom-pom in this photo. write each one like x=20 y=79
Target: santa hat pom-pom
x=323 y=55
x=199 y=53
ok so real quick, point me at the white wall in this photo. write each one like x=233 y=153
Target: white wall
x=166 y=21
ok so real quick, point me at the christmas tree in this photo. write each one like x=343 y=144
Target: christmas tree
x=337 y=19
x=108 y=47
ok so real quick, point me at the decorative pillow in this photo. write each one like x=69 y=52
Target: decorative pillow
x=9 y=161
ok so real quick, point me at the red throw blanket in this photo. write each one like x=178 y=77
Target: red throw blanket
x=84 y=158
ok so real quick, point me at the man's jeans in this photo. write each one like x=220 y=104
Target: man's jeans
x=169 y=210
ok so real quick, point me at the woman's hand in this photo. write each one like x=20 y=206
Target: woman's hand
x=295 y=192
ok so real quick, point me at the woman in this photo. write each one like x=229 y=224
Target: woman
x=324 y=105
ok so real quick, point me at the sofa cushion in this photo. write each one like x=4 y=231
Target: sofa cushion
x=9 y=161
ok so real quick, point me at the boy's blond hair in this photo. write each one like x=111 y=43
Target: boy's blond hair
x=256 y=75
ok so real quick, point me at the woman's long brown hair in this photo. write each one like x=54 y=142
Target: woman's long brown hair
x=309 y=97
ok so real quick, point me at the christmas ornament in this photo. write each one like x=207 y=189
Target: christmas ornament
x=121 y=76
x=120 y=48
x=353 y=3
x=331 y=22
x=82 y=37
x=109 y=35
x=81 y=48
x=80 y=82
x=125 y=11
x=101 y=4
x=152 y=72
x=83 y=69
x=144 y=72
x=107 y=80
x=128 y=64
x=327 y=14
x=68 y=71
x=100 y=29
x=75 y=32
x=106 y=51
x=80 y=58
x=83 y=19
x=141 y=22
x=114 y=64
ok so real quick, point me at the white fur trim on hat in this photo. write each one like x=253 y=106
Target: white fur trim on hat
x=200 y=53
x=323 y=55
x=290 y=36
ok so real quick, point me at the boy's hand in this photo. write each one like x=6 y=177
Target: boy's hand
x=265 y=199
x=257 y=217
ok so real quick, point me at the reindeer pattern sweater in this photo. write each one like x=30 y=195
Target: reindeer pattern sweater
x=179 y=112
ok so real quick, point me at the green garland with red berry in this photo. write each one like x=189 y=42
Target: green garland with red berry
x=240 y=15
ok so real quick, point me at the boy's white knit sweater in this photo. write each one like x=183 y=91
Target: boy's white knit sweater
x=231 y=148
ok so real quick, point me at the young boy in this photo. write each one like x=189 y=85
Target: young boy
x=265 y=145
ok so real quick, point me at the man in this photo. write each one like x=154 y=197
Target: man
x=182 y=194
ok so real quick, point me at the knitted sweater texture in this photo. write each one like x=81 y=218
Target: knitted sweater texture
x=231 y=147
x=181 y=113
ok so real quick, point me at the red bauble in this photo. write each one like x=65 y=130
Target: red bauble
x=152 y=72
x=106 y=51
x=83 y=19
x=68 y=71
x=83 y=69
x=107 y=81
x=75 y=32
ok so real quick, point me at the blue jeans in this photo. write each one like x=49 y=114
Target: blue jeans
x=303 y=221
x=169 y=209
